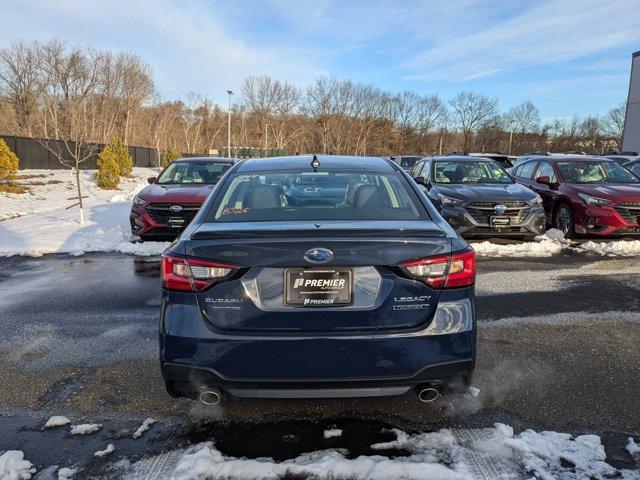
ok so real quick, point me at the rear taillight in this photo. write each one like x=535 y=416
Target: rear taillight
x=445 y=271
x=188 y=274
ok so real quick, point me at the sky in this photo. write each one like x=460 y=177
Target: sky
x=567 y=57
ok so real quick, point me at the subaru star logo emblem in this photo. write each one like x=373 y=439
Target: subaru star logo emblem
x=175 y=208
x=318 y=255
x=500 y=209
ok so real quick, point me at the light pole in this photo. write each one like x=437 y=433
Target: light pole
x=511 y=136
x=266 y=132
x=229 y=126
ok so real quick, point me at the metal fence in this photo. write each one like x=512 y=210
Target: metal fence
x=34 y=154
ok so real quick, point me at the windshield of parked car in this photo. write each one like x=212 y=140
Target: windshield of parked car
x=408 y=161
x=193 y=172
x=595 y=172
x=469 y=171
x=306 y=195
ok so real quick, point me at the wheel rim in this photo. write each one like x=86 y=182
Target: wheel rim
x=563 y=220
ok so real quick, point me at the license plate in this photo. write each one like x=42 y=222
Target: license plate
x=318 y=287
x=175 y=222
x=500 y=221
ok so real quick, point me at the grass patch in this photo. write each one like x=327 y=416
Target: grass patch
x=26 y=177
x=12 y=188
x=41 y=182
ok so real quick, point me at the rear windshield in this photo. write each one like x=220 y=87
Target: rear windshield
x=269 y=196
x=595 y=172
x=469 y=171
x=193 y=172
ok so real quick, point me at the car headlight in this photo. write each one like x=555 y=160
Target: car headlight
x=138 y=201
x=449 y=201
x=589 y=200
x=536 y=201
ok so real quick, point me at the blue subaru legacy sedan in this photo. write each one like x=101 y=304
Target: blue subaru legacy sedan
x=317 y=277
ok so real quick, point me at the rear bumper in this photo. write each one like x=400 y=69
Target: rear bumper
x=315 y=367
x=187 y=381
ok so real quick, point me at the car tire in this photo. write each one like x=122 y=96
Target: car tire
x=563 y=220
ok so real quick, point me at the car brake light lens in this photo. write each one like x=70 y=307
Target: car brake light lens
x=445 y=271
x=188 y=274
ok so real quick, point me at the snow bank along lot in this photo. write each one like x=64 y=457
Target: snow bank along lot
x=490 y=453
x=37 y=222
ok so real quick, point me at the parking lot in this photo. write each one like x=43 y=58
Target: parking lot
x=557 y=351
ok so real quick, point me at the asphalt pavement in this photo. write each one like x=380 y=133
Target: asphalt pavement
x=557 y=350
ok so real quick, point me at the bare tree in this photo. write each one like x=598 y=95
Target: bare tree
x=20 y=83
x=613 y=124
x=469 y=111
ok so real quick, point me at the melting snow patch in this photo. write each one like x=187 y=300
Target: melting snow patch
x=333 y=432
x=85 y=428
x=474 y=392
x=547 y=245
x=632 y=447
x=101 y=453
x=146 y=425
x=67 y=473
x=57 y=421
x=13 y=466
x=447 y=454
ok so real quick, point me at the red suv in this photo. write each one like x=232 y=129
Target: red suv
x=163 y=209
x=584 y=195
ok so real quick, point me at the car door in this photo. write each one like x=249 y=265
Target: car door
x=548 y=193
x=524 y=172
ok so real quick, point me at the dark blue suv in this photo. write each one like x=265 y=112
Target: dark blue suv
x=325 y=276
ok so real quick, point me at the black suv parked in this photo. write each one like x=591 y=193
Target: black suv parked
x=479 y=198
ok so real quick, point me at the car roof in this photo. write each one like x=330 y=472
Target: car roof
x=567 y=158
x=327 y=162
x=464 y=158
x=207 y=159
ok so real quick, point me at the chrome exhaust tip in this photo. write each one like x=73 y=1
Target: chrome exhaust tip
x=211 y=397
x=428 y=395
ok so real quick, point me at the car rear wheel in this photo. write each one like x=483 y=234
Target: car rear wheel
x=563 y=220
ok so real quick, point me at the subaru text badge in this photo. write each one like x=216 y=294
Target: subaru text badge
x=318 y=255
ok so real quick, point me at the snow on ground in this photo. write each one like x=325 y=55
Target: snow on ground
x=333 y=432
x=44 y=225
x=446 y=454
x=57 y=421
x=553 y=243
x=146 y=425
x=85 y=428
x=632 y=447
x=67 y=473
x=101 y=453
x=13 y=466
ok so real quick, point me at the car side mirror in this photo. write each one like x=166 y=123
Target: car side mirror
x=152 y=179
x=544 y=180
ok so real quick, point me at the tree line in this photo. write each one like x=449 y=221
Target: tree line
x=83 y=96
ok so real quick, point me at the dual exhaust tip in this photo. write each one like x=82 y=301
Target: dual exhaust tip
x=213 y=396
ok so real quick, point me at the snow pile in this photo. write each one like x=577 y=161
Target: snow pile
x=13 y=466
x=445 y=454
x=333 y=432
x=85 y=428
x=46 y=226
x=632 y=447
x=547 y=245
x=621 y=248
x=57 y=421
x=67 y=473
x=101 y=453
x=146 y=425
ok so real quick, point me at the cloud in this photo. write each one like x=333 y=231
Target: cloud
x=544 y=33
x=189 y=45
